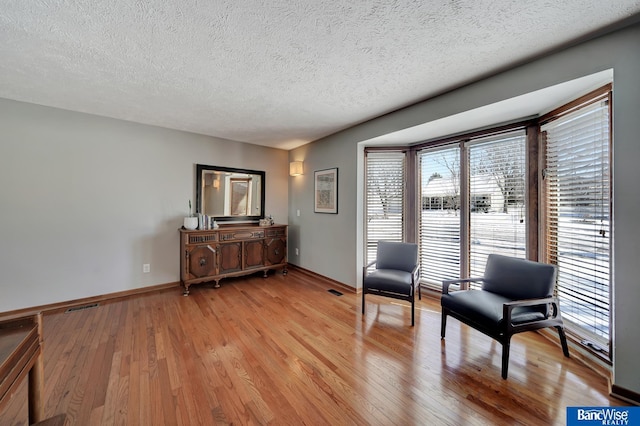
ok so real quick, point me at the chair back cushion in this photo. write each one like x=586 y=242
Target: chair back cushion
x=518 y=279
x=394 y=255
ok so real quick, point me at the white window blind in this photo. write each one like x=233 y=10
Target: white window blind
x=578 y=230
x=385 y=189
x=496 y=199
x=439 y=215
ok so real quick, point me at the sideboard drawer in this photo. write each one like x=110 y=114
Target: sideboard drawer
x=202 y=238
x=276 y=232
x=241 y=234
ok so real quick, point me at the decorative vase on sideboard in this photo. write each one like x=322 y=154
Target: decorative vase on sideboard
x=190 y=222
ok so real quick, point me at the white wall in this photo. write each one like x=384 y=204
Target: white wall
x=330 y=246
x=86 y=200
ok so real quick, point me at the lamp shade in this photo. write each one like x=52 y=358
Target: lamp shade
x=295 y=168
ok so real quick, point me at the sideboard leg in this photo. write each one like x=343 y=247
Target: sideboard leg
x=185 y=292
x=217 y=284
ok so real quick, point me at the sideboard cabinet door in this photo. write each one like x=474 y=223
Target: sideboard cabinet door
x=276 y=251
x=230 y=257
x=253 y=254
x=201 y=261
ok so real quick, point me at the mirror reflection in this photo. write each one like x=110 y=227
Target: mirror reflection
x=229 y=194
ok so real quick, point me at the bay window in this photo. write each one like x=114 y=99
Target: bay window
x=477 y=194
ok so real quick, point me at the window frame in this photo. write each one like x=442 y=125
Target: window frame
x=369 y=253
x=574 y=332
x=463 y=146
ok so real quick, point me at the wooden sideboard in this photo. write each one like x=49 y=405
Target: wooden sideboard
x=230 y=251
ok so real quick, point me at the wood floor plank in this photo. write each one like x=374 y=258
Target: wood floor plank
x=283 y=350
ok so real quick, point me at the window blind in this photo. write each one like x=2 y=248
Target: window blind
x=578 y=232
x=439 y=215
x=385 y=190
x=496 y=199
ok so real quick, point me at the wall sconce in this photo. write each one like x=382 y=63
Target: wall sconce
x=295 y=168
x=216 y=184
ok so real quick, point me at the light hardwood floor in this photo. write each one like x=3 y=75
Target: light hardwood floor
x=285 y=351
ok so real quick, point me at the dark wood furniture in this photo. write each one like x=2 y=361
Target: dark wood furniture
x=229 y=251
x=516 y=296
x=21 y=356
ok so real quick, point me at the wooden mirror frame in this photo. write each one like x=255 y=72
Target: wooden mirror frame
x=201 y=169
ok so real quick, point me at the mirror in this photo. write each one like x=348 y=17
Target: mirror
x=230 y=195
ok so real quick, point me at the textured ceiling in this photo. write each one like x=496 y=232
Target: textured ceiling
x=272 y=72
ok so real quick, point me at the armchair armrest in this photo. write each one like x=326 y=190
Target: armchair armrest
x=415 y=274
x=508 y=307
x=447 y=283
x=365 y=267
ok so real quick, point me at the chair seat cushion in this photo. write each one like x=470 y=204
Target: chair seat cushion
x=391 y=280
x=486 y=308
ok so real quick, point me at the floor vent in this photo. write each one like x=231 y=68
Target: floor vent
x=81 y=308
x=335 y=292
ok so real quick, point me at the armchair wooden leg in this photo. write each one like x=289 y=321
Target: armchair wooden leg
x=563 y=341
x=443 y=323
x=505 y=358
x=413 y=310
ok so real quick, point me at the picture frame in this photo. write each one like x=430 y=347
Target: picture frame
x=325 y=194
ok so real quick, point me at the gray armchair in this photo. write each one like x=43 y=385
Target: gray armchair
x=516 y=296
x=397 y=273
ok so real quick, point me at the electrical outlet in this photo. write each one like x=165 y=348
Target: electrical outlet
x=146 y=268
x=297 y=251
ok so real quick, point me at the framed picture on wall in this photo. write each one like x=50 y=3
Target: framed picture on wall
x=326 y=191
